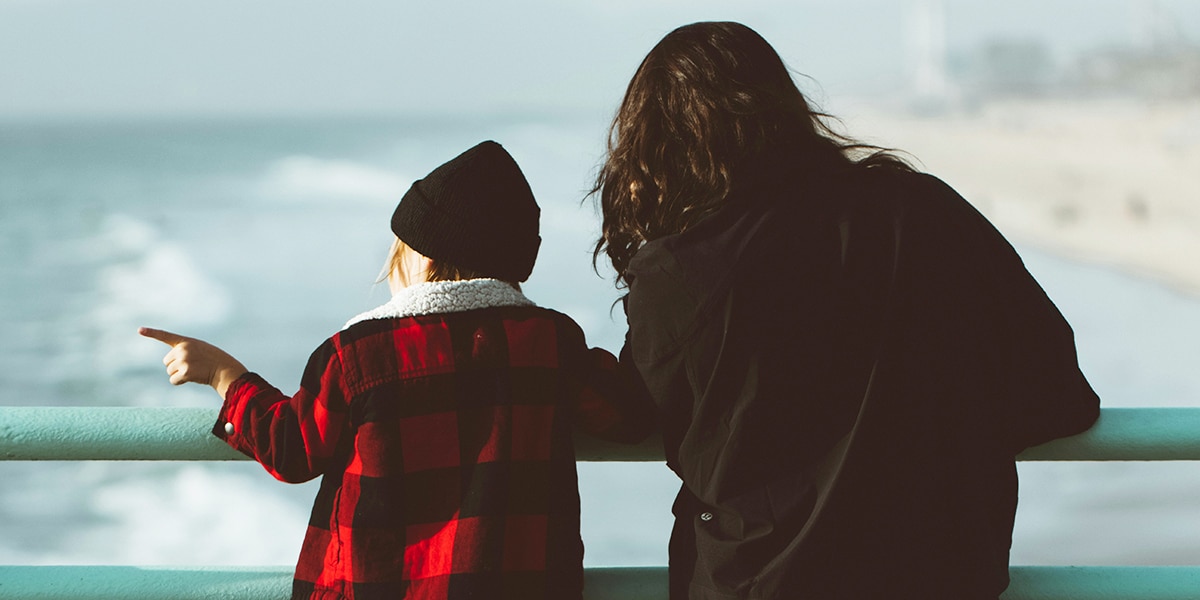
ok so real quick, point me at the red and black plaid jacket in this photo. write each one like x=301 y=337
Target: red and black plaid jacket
x=445 y=441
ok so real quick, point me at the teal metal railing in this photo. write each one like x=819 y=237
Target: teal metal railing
x=29 y=433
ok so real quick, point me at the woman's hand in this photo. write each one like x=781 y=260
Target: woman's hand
x=197 y=361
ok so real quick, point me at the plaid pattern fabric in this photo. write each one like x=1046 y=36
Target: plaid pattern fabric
x=445 y=442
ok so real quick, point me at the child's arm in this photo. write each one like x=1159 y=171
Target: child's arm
x=612 y=401
x=292 y=437
x=195 y=361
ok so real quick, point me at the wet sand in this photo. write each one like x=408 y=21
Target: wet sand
x=1115 y=183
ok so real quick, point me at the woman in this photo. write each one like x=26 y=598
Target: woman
x=846 y=356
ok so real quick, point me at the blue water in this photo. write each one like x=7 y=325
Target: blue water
x=265 y=236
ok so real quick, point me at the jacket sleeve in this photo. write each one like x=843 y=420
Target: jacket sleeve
x=293 y=438
x=1049 y=397
x=1046 y=395
x=610 y=400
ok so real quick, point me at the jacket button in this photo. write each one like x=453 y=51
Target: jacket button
x=706 y=516
x=228 y=428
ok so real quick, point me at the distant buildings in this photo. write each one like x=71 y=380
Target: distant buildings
x=1157 y=63
x=1026 y=68
x=1155 y=72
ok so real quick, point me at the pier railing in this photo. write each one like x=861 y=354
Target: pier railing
x=40 y=433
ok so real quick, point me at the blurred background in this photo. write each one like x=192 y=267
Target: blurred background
x=227 y=170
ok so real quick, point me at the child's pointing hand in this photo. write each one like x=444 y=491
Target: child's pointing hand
x=197 y=361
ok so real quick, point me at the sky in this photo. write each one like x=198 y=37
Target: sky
x=186 y=57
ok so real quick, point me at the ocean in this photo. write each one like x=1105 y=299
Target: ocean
x=264 y=236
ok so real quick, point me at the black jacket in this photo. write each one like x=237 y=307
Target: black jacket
x=845 y=370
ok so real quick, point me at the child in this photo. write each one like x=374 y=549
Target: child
x=442 y=420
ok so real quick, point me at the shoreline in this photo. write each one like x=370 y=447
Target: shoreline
x=1108 y=183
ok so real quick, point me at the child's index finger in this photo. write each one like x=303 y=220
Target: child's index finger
x=165 y=337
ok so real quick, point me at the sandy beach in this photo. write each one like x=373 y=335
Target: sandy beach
x=1115 y=183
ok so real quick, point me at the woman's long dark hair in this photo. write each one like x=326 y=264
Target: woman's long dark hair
x=709 y=102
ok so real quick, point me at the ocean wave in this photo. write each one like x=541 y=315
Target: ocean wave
x=140 y=279
x=313 y=179
x=170 y=519
x=152 y=513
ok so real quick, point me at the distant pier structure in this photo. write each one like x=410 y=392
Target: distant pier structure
x=931 y=88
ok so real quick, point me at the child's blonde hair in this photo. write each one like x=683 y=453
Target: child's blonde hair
x=438 y=270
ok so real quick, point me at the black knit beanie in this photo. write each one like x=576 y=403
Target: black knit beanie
x=475 y=212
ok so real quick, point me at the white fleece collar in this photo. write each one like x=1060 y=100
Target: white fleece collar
x=436 y=297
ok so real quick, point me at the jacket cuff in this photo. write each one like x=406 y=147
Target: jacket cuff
x=229 y=419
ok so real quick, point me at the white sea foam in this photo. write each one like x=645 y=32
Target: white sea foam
x=142 y=279
x=153 y=513
x=313 y=179
x=193 y=515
